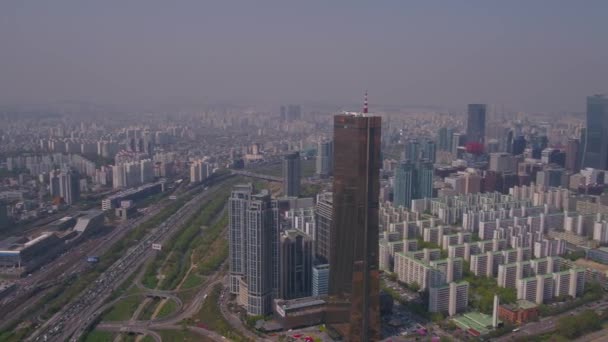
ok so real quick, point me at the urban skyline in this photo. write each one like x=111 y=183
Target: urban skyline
x=511 y=54
x=217 y=172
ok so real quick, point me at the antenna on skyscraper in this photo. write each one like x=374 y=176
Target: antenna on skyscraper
x=365 y=108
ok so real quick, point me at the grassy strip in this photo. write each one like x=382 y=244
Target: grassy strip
x=192 y=281
x=167 y=309
x=211 y=316
x=147 y=338
x=123 y=310
x=182 y=335
x=215 y=257
x=211 y=250
x=148 y=310
x=16 y=335
x=179 y=247
x=99 y=336
x=150 y=279
x=187 y=295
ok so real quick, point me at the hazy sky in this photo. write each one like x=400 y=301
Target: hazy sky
x=528 y=55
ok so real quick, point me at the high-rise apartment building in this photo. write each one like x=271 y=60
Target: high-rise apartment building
x=199 y=171
x=325 y=158
x=415 y=151
x=450 y=298
x=296 y=258
x=404 y=184
x=354 y=275
x=69 y=186
x=502 y=162
x=444 y=138
x=130 y=174
x=476 y=123
x=457 y=140
x=146 y=171
x=291 y=112
x=253 y=249
x=54 y=188
x=412 y=150
x=572 y=155
x=320 y=279
x=509 y=274
x=429 y=151
x=323 y=223
x=424 y=180
x=291 y=174
x=596 y=144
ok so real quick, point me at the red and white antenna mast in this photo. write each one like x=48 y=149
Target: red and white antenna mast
x=365 y=107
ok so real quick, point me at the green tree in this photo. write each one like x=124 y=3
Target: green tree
x=573 y=327
x=414 y=287
x=437 y=317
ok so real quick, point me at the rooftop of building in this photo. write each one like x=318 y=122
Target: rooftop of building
x=474 y=320
x=16 y=244
x=293 y=233
x=92 y=213
x=299 y=303
x=134 y=190
x=520 y=304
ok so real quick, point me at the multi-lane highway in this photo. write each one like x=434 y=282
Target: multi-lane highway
x=32 y=288
x=72 y=320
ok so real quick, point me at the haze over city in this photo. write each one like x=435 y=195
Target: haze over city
x=523 y=55
x=313 y=171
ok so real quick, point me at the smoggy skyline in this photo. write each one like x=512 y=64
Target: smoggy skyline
x=531 y=56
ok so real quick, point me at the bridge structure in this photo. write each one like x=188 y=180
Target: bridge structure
x=258 y=176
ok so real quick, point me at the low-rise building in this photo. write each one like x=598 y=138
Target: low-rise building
x=521 y=312
x=600 y=255
x=300 y=312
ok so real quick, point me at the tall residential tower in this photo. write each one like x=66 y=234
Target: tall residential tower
x=253 y=249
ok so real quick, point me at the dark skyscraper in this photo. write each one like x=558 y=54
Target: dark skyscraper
x=296 y=265
x=596 y=144
x=476 y=123
x=354 y=279
x=519 y=145
x=291 y=174
x=443 y=139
